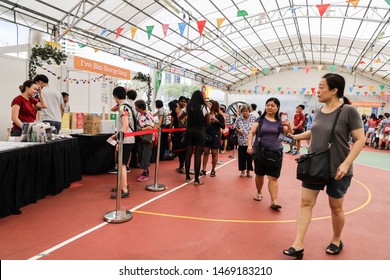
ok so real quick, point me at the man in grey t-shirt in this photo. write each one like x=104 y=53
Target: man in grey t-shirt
x=55 y=104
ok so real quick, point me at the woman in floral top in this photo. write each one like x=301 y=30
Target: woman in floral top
x=242 y=126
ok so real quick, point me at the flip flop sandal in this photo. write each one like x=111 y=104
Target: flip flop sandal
x=275 y=206
x=258 y=197
x=198 y=183
x=249 y=175
x=242 y=175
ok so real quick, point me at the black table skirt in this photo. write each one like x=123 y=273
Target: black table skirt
x=97 y=156
x=30 y=173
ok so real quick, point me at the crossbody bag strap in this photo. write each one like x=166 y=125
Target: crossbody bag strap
x=331 y=137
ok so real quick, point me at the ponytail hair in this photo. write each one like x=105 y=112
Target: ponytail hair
x=25 y=85
x=346 y=101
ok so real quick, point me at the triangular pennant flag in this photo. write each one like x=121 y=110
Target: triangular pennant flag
x=295 y=68
x=320 y=67
x=377 y=60
x=382 y=86
x=133 y=30
x=165 y=28
x=103 y=31
x=362 y=62
x=201 y=24
x=67 y=31
x=371 y=87
x=255 y=89
x=262 y=88
x=254 y=71
x=95 y=50
x=149 y=29
x=295 y=92
x=211 y=66
x=353 y=2
x=374 y=93
x=182 y=27
x=365 y=93
x=382 y=93
x=279 y=88
x=360 y=86
x=348 y=66
x=233 y=67
x=303 y=89
x=332 y=68
x=388 y=1
x=282 y=92
x=242 y=13
x=307 y=69
x=322 y=8
x=313 y=90
x=266 y=70
x=81 y=45
x=350 y=89
x=220 y=21
x=119 y=31
x=277 y=69
x=358 y=92
x=269 y=92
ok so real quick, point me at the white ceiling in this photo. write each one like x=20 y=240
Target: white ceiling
x=274 y=35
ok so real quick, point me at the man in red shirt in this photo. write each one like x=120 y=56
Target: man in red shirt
x=299 y=119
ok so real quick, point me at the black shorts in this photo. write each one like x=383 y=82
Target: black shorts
x=213 y=142
x=127 y=148
x=298 y=131
x=261 y=169
x=334 y=188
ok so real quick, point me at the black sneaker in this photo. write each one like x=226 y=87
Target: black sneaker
x=115 y=189
x=127 y=169
x=113 y=171
x=123 y=195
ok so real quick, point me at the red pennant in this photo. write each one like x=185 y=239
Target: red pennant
x=118 y=31
x=360 y=86
x=282 y=92
x=307 y=69
x=165 y=29
x=322 y=8
x=295 y=92
x=201 y=24
x=365 y=93
x=313 y=90
x=262 y=88
x=362 y=62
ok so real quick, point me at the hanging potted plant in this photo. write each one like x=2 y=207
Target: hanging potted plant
x=146 y=78
x=46 y=54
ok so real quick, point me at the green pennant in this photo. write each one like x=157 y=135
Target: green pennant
x=388 y=1
x=279 y=88
x=211 y=66
x=242 y=13
x=149 y=29
x=374 y=93
x=332 y=68
x=81 y=45
x=382 y=86
x=266 y=70
x=158 y=81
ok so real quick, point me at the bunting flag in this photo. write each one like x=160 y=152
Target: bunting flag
x=242 y=13
x=266 y=70
x=360 y=86
x=295 y=92
x=95 y=50
x=67 y=31
x=158 y=80
x=133 y=30
x=388 y=2
x=81 y=45
x=362 y=62
x=219 y=22
x=332 y=68
x=353 y=2
x=365 y=93
x=322 y=8
x=119 y=31
x=374 y=93
x=382 y=93
x=149 y=29
x=255 y=89
x=295 y=68
x=262 y=88
x=278 y=70
x=201 y=24
x=371 y=88
x=350 y=89
x=303 y=90
x=348 y=66
x=382 y=86
x=357 y=93
x=211 y=66
x=378 y=60
x=103 y=31
x=320 y=67
x=279 y=88
x=307 y=69
x=182 y=27
x=233 y=67
x=313 y=91
x=165 y=28
x=254 y=71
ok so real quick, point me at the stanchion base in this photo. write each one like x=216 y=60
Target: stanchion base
x=232 y=156
x=155 y=187
x=117 y=217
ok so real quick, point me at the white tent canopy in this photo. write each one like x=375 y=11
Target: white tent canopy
x=273 y=35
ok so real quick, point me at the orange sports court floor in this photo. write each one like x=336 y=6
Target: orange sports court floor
x=215 y=221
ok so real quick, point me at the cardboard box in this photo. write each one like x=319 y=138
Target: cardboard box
x=92 y=118
x=77 y=121
x=91 y=127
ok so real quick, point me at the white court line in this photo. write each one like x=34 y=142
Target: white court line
x=70 y=240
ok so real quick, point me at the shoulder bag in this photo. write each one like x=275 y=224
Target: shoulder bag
x=314 y=168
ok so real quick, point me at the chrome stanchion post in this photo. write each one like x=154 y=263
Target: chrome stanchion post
x=155 y=187
x=118 y=216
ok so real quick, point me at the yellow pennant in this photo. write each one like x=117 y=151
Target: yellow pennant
x=371 y=88
x=133 y=30
x=320 y=67
x=254 y=71
x=353 y=2
x=96 y=50
x=219 y=21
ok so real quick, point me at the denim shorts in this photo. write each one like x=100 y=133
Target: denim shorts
x=334 y=188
